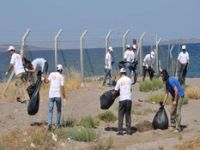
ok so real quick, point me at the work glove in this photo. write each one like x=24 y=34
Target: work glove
x=6 y=73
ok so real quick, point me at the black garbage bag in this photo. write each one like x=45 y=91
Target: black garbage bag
x=107 y=99
x=160 y=120
x=121 y=64
x=34 y=95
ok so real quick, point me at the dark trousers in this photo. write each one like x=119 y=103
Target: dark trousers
x=150 y=72
x=108 y=76
x=124 y=110
x=182 y=73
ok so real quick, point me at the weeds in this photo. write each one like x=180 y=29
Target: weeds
x=87 y=122
x=107 y=116
x=193 y=92
x=149 y=85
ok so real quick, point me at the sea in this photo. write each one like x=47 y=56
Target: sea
x=93 y=59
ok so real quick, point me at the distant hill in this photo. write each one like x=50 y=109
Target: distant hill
x=181 y=41
x=4 y=47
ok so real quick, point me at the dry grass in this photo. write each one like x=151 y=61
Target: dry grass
x=193 y=92
x=190 y=145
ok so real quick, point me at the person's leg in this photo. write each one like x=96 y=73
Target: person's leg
x=106 y=71
x=135 y=76
x=185 y=72
x=121 y=112
x=109 y=77
x=178 y=113
x=128 y=71
x=50 y=113
x=144 y=70
x=173 y=115
x=180 y=73
x=21 y=94
x=128 y=116
x=151 y=73
x=59 y=106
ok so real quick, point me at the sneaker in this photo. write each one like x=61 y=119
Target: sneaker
x=49 y=128
x=120 y=133
x=177 y=130
x=18 y=99
x=129 y=132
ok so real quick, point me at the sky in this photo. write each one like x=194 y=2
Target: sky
x=168 y=19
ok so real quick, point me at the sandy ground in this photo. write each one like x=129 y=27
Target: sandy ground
x=85 y=101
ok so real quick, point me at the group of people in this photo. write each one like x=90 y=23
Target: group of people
x=123 y=85
x=56 y=80
x=172 y=86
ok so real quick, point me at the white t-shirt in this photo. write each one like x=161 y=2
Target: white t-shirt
x=108 y=61
x=183 y=58
x=148 y=60
x=56 y=80
x=124 y=84
x=38 y=64
x=127 y=55
x=132 y=56
x=16 y=61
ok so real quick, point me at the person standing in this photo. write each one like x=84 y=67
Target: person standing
x=183 y=61
x=56 y=94
x=173 y=86
x=134 y=62
x=17 y=65
x=108 y=66
x=128 y=58
x=38 y=64
x=124 y=86
x=148 y=63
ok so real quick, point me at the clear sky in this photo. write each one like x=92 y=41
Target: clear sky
x=169 y=19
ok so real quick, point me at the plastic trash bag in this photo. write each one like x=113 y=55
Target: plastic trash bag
x=107 y=99
x=33 y=91
x=160 y=120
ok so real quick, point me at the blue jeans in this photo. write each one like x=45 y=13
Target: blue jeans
x=51 y=106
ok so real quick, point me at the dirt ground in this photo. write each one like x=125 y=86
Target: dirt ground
x=85 y=101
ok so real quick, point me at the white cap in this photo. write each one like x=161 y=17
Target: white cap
x=183 y=47
x=134 y=46
x=122 y=70
x=110 y=48
x=11 y=48
x=59 y=67
x=127 y=46
x=152 y=54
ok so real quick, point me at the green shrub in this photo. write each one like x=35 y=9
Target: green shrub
x=107 y=116
x=70 y=122
x=157 y=98
x=87 y=122
x=149 y=85
x=78 y=134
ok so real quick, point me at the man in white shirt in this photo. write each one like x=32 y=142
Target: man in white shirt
x=128 y=58
x=134 y=62
x=124 y=86
x=148 y=65
x=56 y=93
x=17 y=64
x=108 y=66
x=183 y=60
x=38 y=64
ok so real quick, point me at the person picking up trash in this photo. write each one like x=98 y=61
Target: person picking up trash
x=17 y=64
x=124 y=86
x=56 y=94
x=173 y=86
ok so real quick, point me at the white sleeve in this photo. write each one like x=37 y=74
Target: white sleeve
x=179 y=56
x=12 y=60
x=50 y=76
x=117 y=86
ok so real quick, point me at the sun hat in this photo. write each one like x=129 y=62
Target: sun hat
x=122 y=70
x=134 y=46
x=183 y=47
x=127 y=46
x=59 y=67
x=11 y=48
x=110 y=48
x=152 y=54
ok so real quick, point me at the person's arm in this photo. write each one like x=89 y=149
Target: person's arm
x=165 y=97
x=10 y=67
x=175 y=96
x=46 y=79
x=62 y=88
x=31 y=70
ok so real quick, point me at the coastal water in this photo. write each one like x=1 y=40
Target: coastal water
x=94 y=59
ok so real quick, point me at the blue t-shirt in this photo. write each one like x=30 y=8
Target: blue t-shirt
x=171 y=83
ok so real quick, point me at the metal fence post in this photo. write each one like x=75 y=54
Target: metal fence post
x=56 y=46
x=81 y=55
x=157 y=55
x=124 y=40
x=21 y=53
x=107 y=40
x=140 y=50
